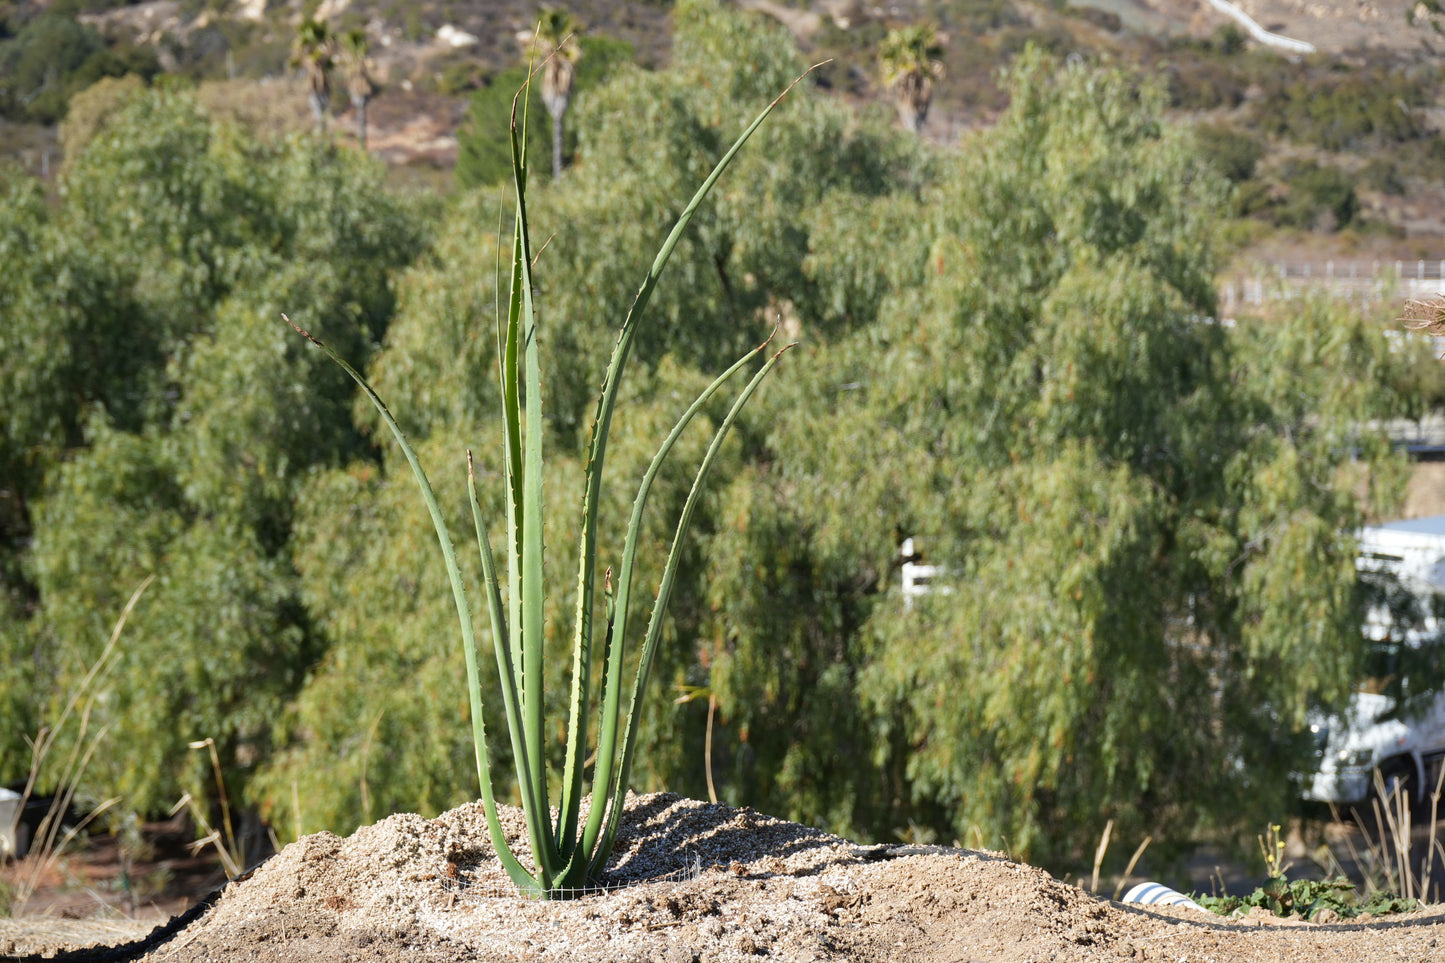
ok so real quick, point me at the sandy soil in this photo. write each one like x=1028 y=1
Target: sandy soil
x=696 y=883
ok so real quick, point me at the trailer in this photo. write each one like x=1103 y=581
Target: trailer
x=1395 y=723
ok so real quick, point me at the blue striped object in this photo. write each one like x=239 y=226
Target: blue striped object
x=1157 y=894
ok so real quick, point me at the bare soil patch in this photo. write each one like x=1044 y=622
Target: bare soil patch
x=695 y=883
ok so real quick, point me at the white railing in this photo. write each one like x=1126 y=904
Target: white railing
x=1360 y=281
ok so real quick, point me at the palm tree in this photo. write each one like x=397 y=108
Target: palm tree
x=908 y=59
x=555 y=42
x=312 y=50
x=354 y=48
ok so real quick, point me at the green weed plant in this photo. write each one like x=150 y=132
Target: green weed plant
x=1308 y=897
x=567 y=855
x=1305 y=898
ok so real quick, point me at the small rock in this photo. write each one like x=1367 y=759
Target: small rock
x=829 y=897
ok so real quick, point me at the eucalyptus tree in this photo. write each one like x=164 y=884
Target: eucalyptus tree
x=555 y=45
x=122 y=336
x=1147 y=517
x=908 y=62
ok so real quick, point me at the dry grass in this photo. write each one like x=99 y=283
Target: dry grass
x=47 y=935
x=271 y=107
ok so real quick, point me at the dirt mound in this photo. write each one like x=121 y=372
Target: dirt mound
x=697 y=883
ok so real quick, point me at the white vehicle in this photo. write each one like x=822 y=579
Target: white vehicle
x=14 y=831
x=1390 y=725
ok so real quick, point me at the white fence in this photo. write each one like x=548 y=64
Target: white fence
x=1360 y=281
x=917 y=577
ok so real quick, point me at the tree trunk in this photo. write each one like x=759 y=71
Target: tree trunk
x=914 y=93
x=361 y=122
x=908 y=115
x=556 y=145
x=318 y=111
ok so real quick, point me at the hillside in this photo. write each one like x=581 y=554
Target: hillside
x=1337 y=155
x=428 y=57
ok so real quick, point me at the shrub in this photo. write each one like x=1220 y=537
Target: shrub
x=1320 y=198
x=1342 y=112
x=1230 y=151
x=92 y=108
x=51 y=58
x=1383 y=175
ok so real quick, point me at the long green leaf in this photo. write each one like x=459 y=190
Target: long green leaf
x=464 y=615
x=512 y=426
x=618 y=791
x=533 y=575
x=615 y=650
x=510 y=698
x=596 y=457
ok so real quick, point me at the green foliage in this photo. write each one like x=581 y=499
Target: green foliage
x=357 y=742
x=912 y=50
x=1144 y=516
x=1321 y=197
x=1230 y=151
x=1356 y=109
x=483 y=154
x=908 y=63
x=52 y=57
x=732 y=277
x=814 y=172
x=92 y=108
x=745 y=58
x=163 y=424
x=37 y=61
x=1308 y=897
x=213 y=652
x=67 y=342
x=1135 y=512
x=1229 y=40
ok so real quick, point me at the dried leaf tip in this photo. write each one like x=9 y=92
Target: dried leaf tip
x=302 y=331
x=779 y=99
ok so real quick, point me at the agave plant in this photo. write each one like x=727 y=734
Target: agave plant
x=567 y=855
